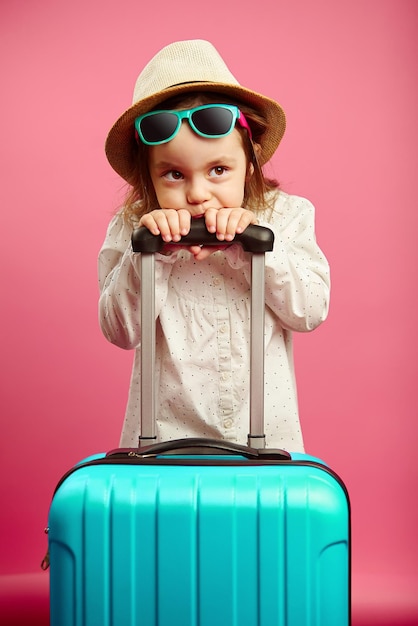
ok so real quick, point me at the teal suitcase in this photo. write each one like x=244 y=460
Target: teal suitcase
x=199 y=532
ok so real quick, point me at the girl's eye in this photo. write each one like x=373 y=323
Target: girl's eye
x=218 y=170
x=173 y=175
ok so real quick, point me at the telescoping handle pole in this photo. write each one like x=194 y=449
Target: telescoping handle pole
x=255 y=239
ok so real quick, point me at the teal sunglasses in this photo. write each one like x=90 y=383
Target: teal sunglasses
x=208 y=120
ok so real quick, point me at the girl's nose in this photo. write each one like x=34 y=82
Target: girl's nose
x=197 y=192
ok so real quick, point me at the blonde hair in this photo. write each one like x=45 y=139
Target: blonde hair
x=258 y=196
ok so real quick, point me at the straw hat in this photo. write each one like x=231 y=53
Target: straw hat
x=182 y=67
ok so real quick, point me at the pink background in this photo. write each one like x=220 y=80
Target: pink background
x=345 y=73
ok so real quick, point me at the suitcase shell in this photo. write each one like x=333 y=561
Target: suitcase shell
x=200 y=532
x=200 y=540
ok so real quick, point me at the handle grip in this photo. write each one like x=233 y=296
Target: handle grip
x=253 y=239
x=198 y=446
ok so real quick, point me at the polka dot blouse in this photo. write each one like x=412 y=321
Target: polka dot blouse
x=202 y=352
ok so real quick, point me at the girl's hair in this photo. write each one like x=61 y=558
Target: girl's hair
x=258 y=190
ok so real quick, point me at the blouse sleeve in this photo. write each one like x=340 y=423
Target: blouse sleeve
x=297 y=272
x=119 y=283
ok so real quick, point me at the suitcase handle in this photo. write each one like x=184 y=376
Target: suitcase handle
x=253 y=239
x=210 y=446
x=256 y=240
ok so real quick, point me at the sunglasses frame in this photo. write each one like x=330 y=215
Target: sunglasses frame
x=186 y=114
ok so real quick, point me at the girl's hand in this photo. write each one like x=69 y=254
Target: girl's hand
x=227 y=223
x=171 y=224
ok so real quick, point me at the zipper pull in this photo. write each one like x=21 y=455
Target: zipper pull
x=45 y=560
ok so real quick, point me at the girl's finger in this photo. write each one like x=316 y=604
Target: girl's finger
x=184 y=221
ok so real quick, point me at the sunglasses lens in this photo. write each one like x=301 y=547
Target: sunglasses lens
x=213 y=121
x=159 y=127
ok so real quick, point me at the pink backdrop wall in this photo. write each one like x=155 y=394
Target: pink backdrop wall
x=345 y=72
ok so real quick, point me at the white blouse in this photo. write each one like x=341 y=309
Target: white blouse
x=202 y=308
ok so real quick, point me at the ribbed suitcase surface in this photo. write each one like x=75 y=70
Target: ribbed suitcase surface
x=181 y=543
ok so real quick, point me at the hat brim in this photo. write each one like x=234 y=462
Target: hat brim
x=120 y=144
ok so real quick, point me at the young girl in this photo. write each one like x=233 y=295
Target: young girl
x=193 y=144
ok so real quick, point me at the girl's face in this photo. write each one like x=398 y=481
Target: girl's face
x=195 y=173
